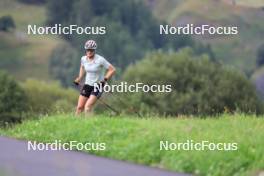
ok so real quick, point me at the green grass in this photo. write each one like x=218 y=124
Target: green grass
x=137 y=140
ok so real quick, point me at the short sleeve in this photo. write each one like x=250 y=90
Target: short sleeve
x=82 y=61
x=105 y=63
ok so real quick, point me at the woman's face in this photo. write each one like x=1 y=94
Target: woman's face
x=90 y=53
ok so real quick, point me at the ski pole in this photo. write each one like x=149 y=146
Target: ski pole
x=133 y=109
x=101 y=101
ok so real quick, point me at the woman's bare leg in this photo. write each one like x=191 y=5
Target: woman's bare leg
x=89 y=104
x=81 y=104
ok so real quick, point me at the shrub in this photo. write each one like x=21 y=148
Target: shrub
x=13 y=100
x=46 y=98
x=198 y=86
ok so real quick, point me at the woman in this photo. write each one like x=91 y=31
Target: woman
x=92 y=66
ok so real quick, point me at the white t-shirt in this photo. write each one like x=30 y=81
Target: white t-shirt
x=94 y=68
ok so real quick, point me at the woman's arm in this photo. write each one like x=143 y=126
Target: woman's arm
x=81 y=75
x=110 y=72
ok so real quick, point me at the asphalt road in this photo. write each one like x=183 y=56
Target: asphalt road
x=16 y=160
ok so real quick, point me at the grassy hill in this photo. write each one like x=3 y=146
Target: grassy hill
x=138 y=140
x=31 y=53
x=21 y=54
x=239 y=50
x=250 y=3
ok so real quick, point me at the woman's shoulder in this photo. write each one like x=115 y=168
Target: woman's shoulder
x=83 y=58
x=99 y=57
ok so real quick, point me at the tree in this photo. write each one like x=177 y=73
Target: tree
x=260 y=56
x=13 y=100
x=59 y=11
x=64 y=64
x=131 y=32
x=6 y=23
x=33 y=1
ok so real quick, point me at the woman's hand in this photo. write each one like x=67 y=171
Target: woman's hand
x=110 y=72
x=77 y=81
x=81 y=75
x=103 y=82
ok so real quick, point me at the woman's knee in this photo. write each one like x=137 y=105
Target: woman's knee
x=81 y=103
x=89 y=104
x=88 y=108
x=80 y=108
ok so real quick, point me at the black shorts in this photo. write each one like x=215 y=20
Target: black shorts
x=88 y=90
